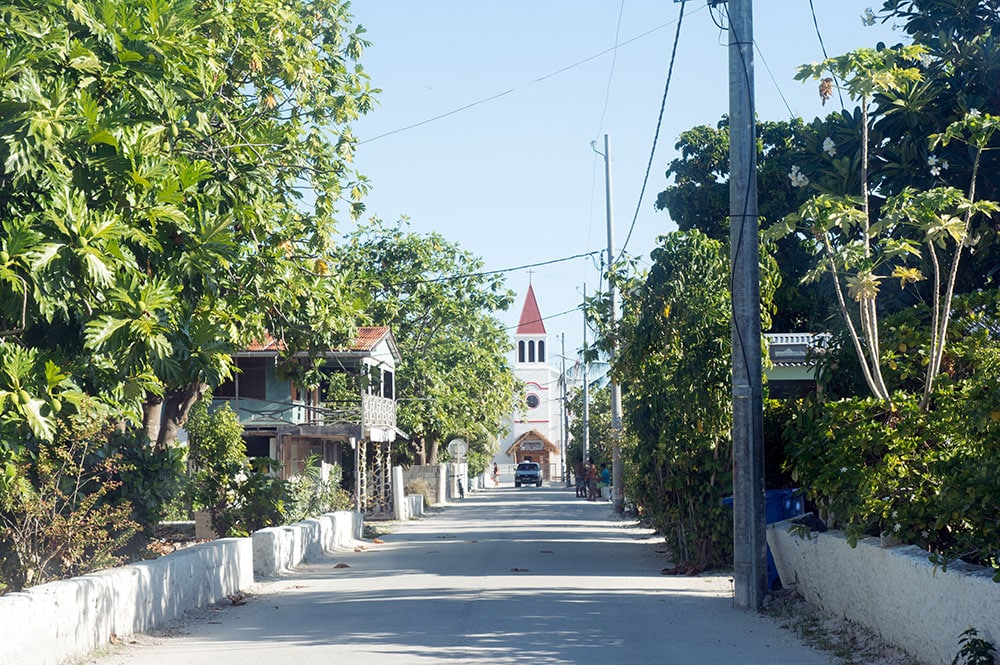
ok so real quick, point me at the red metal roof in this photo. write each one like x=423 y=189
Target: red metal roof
x=531 y=318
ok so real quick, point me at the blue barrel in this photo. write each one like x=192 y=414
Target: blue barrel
x=779 y=505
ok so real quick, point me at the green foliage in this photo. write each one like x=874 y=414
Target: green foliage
x=674 y=366
x=974 y=650
x=777 y=414
x=151 y=478
x=698 y=198
x=455 y=375
x=153 y=158
x=243 y=495
x=58 y=512
x=922 y=477
x=311 y=493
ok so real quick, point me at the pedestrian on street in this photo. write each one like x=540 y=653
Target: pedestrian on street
x=496 y=474
x=591 y=480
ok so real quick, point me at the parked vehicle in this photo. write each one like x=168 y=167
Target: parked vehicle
x=528 y=473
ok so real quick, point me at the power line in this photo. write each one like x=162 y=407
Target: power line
x=611 y=72
x=822 y=47
x=546 y=318
x=791 y=114
x=656 y=135
x=452 y=278
x=523 y=85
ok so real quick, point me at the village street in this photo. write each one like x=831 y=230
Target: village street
x=506 y=575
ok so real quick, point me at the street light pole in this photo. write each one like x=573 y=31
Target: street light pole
x=586 y=389
x=749 y=545
x=563 y=422
x=617 y=475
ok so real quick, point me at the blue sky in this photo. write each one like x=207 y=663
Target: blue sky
x=514 y=179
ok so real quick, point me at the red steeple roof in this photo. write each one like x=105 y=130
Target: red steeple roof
x=531 y=319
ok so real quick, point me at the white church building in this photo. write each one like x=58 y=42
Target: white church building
x=535 y=426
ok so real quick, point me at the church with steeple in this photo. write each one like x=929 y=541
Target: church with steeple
x=534 y=426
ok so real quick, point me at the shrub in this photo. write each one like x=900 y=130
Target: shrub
x=423 y=489
x=58 y=512
x=311 y=494
x=240 y=497
x=926 y=478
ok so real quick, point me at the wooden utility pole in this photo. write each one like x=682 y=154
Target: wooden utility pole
x=749 y=545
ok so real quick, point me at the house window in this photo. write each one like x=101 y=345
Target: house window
x=520 y=351
x=387 y=384
x=531 y=351
x=249 y=382
x=541 y=351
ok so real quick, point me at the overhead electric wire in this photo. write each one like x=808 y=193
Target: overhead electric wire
x=546 y=318
x=791 y=114
x=523 y=85
x=656 y=135
x=451 y=278
x=822 y=47
x=611 y=72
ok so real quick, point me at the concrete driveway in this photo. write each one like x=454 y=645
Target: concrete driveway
x=505 y=576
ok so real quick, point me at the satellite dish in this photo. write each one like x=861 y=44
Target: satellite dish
x=457 y=448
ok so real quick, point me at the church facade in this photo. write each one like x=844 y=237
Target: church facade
x=535 y=432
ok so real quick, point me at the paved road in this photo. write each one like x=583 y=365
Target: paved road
x=507 y=575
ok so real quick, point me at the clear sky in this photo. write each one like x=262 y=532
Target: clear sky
x=513 y=177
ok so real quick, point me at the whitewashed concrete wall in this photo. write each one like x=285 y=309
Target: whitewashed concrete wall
x=895 y=591
x=279 y=549
x=49 y=623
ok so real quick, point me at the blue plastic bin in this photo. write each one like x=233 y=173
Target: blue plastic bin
x=778 y=505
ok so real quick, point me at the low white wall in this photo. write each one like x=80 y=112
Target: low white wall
x=279 y=549
x=895 y=591
x=49 y=623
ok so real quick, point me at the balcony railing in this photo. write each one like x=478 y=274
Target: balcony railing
x=378 y=411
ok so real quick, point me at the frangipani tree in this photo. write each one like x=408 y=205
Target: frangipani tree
x=860 y=253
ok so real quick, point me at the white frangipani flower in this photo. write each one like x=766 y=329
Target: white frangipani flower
x=797 y=177
x=829 y=147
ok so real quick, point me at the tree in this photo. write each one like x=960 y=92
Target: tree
x=455 y=378
x=154 y=156
x=698 y=198
x=674 y=366
x=859 y=253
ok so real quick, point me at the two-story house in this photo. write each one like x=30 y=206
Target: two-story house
x=349 y=420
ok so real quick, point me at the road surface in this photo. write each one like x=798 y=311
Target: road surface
x=504 y=576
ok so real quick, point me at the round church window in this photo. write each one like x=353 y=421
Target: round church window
x=532 y=401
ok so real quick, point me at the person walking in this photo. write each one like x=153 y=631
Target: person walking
x=591 y=480
x=496 y=474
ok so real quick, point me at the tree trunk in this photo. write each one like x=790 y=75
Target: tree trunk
x=176 y=407
x=431 y=447
x=152 y=412
x=419 y=452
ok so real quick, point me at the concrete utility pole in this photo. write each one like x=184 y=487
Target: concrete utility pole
x=749 y=545
x=586 y=389
x=618 y=494
x=563 y=416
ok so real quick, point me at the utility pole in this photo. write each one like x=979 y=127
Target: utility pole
x=617 y=475
x=749 y=545
x=563 y=416
x=586 y=389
